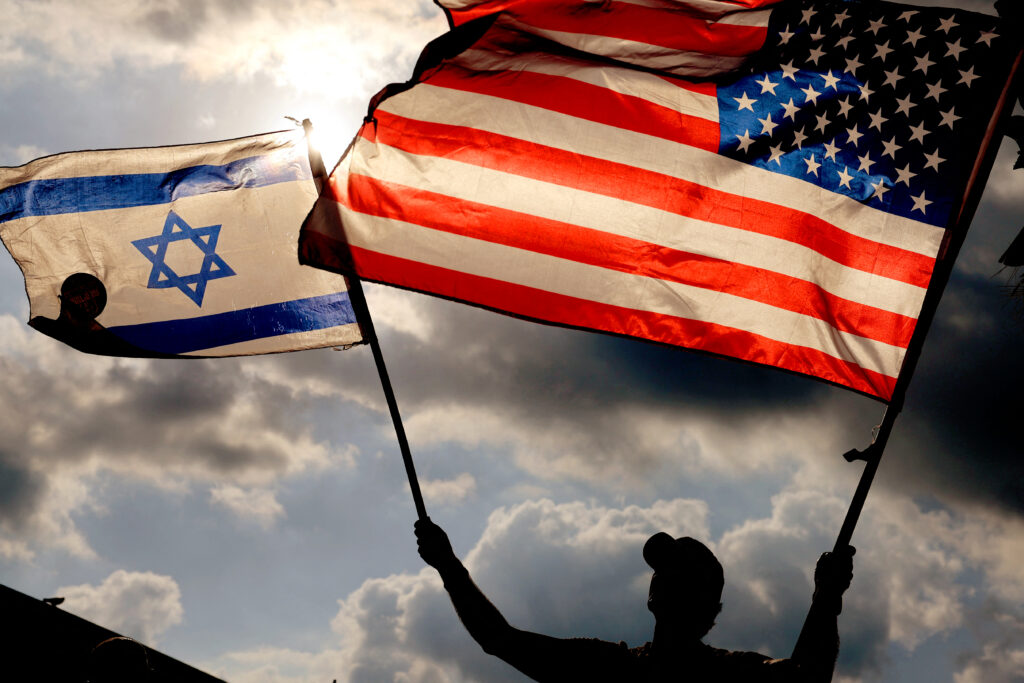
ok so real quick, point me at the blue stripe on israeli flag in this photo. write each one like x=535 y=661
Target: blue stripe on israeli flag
x=210 y=331
x=48 y=197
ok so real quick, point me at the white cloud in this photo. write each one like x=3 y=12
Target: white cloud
x=19 y=154
x=70 y=421
x=400 y=311
x=256 y=505
x=574 y=569
x=142 y=605
x=353 y=46
x=995 y=664
x=994 y=541
x=445 y=491
x=571 y=569
x=624 y=446
x=274 y=665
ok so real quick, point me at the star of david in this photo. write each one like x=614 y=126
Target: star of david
x=163 y=276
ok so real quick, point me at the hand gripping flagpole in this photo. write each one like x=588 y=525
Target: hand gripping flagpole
x=362 y=311
x=952 y=242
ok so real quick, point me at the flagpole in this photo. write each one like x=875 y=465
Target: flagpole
x=946 y=259
x=362 y=311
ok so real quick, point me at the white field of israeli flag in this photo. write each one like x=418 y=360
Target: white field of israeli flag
x=195 y=247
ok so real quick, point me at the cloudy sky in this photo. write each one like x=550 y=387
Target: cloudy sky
x=251 y=516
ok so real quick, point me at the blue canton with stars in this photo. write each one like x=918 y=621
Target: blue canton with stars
x=884 y=103
x=162 y=276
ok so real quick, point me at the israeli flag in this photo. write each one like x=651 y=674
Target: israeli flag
x=174 y=251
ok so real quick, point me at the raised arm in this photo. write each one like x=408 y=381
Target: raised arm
x=541 y=657
x=818 y=645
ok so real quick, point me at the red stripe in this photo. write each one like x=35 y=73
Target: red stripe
x=677 y=29
x=482 y=7
x=615 y=252
x=654 y=26
x=583 y=101
x=574 y=312
x=549 y=164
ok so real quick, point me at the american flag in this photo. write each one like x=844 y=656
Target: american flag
x=772 y=184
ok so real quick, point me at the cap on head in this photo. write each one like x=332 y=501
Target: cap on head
x=686 y=556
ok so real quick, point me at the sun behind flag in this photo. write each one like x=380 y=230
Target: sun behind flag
x=174 y=251
x=548 y=160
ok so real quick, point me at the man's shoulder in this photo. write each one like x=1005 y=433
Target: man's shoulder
x=619 y=648
x=739 y=661
x=735 y=655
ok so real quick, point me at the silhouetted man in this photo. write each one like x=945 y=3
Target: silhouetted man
x=82 y=298
x=685 y=597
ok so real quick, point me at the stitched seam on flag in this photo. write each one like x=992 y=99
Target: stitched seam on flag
x=584 y=245
x=53 y=196
x=567 y=310
x=488 y=259
x=509 y=119
x=615 y=216
x=220 y=329
x=519 y=157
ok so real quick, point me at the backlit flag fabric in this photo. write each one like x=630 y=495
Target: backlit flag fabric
x=173 y=251
x=568 y=162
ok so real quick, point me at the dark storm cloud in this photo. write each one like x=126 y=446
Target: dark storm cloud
x=583 y=400
x=21 y=490
x=479 y=357
x=176 y=22
x=63 y=413
x=961 y=428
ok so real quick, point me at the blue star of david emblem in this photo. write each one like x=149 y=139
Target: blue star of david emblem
x=163 y=276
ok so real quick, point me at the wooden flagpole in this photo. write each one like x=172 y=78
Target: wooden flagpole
x=362 y=311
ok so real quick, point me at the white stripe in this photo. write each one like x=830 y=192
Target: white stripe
x=620 y=217
x=569 y=278
x=342 y=335
x=150 y=159
x=505 y=117
x=617 y=79
x=742 y=17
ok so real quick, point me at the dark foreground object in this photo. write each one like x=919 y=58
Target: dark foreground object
x=48 y=644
